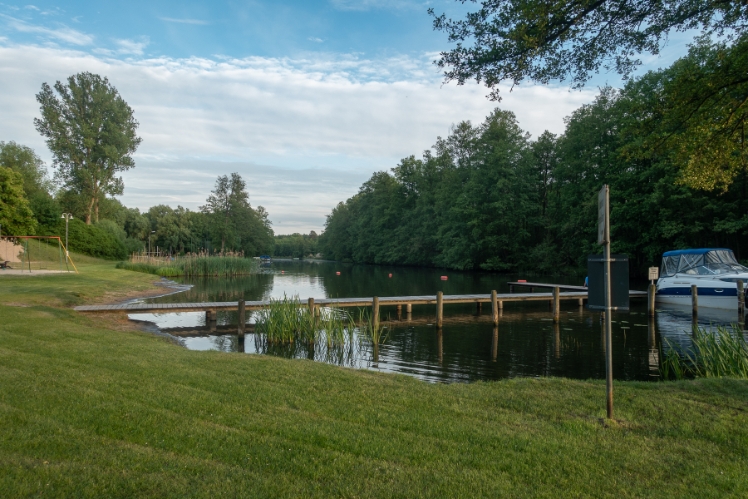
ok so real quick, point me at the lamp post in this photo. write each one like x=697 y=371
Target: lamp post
x=67 y=217
x=149 y=245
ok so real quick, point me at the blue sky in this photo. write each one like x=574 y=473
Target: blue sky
x=304 y=99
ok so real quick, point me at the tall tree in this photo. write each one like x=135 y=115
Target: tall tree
x=91 y=132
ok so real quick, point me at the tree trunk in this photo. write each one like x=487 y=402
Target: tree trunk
x=88 y=212
x=96 y=207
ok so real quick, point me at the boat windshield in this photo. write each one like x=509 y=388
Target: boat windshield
x=701 y=262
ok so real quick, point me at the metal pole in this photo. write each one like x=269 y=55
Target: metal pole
x=608 y=311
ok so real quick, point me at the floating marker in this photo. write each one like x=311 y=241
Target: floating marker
x=337 y=273
x=521 y=280
x=444 y=278
x=390 y=275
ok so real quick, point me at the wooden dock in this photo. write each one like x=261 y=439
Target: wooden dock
x=496 y=300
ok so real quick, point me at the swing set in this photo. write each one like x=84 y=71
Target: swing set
x=21 y=250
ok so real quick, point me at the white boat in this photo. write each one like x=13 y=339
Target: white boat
x=714 y=271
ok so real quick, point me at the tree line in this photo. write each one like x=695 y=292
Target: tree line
x=489 y=197
x=91 y=132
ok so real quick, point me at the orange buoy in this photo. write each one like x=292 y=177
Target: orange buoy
x=337 y=273
x=390 y=275
x=444 y=278
x=521 y=280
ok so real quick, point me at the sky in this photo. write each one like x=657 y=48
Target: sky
x=305 y=99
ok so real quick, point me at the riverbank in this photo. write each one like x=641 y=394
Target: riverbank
x=89 y=411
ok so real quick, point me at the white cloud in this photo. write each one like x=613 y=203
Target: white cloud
x=32 y=7
x=309 y=115
x=315 y=39
x=61 y=33
x=184 y=21
x=132 y=46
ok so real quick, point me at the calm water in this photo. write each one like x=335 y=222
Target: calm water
x=468 y=348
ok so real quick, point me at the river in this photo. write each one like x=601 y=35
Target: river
x=468 y=348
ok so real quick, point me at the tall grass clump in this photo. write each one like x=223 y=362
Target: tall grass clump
x=285 y=321
x=195 y=266
x=713 y=354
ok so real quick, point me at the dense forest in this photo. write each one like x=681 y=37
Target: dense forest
x=489 y=197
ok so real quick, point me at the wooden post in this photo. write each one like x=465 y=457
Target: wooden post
x=741 y=301
x=440 y=344
x=494 y=308
x=399 y=312
x=581 y=302
x=557 y=339
x=651 y=292
x=375 y=312
x=310 y=302
x=439 y=309
x=695 y=300
x=556 y=304
x=409 y=308
x=242 y=318
x=478 y=308
x=495 y=344
x=511 y=288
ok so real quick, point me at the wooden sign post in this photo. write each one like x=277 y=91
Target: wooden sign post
x=603 y=237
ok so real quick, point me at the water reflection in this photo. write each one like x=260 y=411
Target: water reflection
x=469 y=347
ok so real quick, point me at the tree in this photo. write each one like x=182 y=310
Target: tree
x=25 y=161
x=16 y=216
x=516 y=40
x=90 y=130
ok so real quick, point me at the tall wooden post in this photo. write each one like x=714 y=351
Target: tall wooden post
x=651 y=292
x=399 y=312
x=478 y=308
x=439 y=309
x=495 y=344
x=694 y=300
x=494 y=308
x=741 y=301
x=375 y=312
x=557 y=339
x=242 y=318
x=440 y=344
x=408 y=308
x=556 y=304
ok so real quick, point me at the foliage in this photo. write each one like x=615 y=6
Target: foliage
x=490 y=198
x=714 y=354
x=90 y=130
x=296 y=245
x=233 y=222
x=543 y=41
x=88 y=239
x=16 y=217
x=25 y=161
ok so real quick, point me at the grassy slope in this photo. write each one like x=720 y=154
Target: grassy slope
x=86 y=411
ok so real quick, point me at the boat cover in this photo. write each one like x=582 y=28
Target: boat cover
x=682 y=260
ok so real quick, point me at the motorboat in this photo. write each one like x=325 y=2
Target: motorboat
x=714 y=271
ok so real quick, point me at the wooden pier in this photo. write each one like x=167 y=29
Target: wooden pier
x=496 y=300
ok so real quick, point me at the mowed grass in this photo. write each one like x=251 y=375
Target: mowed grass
x=86 y=411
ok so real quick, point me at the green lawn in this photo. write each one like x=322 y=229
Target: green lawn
x=89 y=411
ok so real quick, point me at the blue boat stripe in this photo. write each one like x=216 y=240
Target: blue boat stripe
x=683 y=291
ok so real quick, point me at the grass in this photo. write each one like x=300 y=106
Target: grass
x=215 y=266
x=715 y=353
x=88 y=411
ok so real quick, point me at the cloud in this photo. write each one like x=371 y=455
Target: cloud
x=315 y=39
x=364 y=5
x=131 y=46
x=62 y=33
x=271 y=118
x=32 y=7
x=184 y=21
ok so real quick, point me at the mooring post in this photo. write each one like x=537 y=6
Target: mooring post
x=741 y=301
x=399 y=312
x=494 y=308
x=556 y=304
x=478 y=308
x=439 y=309
x=651 y=293
x=211 y=320
x=495 y=344
x=242 y=318
x=694 y=300
x=375 y=312
x=557 y=339
x=310 y=302
x=581 y=302
x=408 y=308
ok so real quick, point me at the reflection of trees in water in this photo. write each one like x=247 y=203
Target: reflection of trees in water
x=250 y=287
x=226 y=343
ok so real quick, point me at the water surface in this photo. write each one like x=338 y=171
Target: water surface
x=468 y=347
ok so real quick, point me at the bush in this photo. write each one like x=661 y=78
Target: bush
x=88 y=239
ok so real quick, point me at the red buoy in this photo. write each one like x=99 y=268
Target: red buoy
x=337 y=273
x=390 y=275
x=521 y=280
x=444 y=278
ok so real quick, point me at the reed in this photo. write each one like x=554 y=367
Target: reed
x=284 y=321
x=195 y=266
x=367 y=330
x=713 y=354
